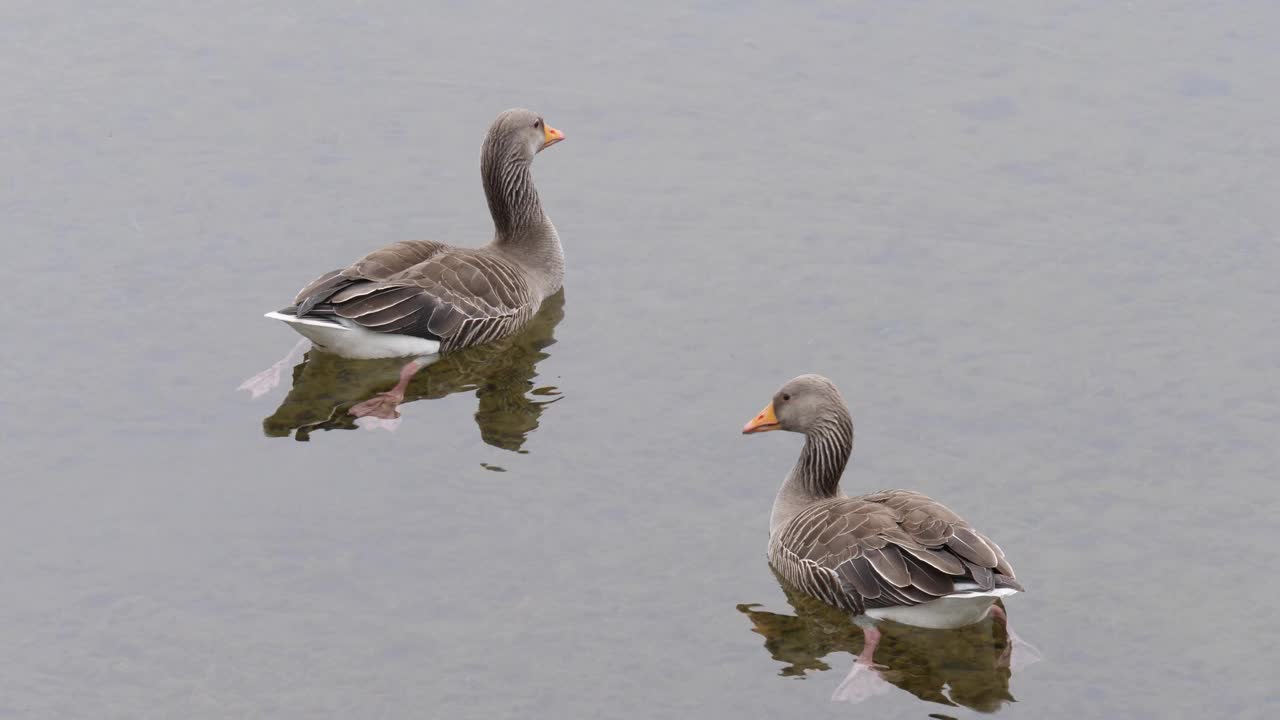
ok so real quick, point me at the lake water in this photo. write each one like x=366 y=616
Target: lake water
x=1036 y=244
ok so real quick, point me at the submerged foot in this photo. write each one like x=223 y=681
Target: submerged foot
x=1021 y=654
x=383 y=405
x=862 y=682
x=265 y=381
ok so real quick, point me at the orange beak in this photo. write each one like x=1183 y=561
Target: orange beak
x=764 y=422
x=550 y=136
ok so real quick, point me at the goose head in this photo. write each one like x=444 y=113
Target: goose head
x=519 y=134
x=802 y=404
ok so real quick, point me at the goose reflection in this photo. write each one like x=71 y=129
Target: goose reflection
x=326 y=387
x=968 y=666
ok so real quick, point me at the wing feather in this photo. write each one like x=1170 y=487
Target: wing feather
x=889 y=564
x=455 y=295
x=941 y=560
x=970 y=546
x=889 y=548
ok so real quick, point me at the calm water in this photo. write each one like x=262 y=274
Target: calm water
x=1035 y=243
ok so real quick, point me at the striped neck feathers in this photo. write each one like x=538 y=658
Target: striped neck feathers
x=513 y=199
x=827 y=446
x=522 y=231
x=816 y=476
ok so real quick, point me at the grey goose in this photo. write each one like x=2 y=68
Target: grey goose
x=418 y=298
x=892 y=555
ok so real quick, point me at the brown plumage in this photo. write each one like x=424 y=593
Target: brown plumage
x=895 y=548
x=459 y=296
x=878 y=547
x=451 y=296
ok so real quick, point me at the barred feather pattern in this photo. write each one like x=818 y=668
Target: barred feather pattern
x=508 y=186
x=896 y=547
x=890 y=548
x=459 y=297
x=827 y=447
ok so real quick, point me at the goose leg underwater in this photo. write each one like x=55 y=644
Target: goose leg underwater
x=385 y=405
x=864 y=679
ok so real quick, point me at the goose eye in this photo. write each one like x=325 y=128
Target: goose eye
x=785 y=397
x=538 y=123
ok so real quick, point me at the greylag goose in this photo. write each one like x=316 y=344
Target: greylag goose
x=892 y=555
x=421 y=298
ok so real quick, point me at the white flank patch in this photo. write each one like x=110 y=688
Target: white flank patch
x=345 y=338
x=949 y=611
x=998 y=592
x=294 y=320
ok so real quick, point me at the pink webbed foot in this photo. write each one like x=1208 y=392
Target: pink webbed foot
x=385 y=405
x=864 y=680
x=265 y=381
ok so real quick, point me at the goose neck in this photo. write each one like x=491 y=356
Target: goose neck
x=816 y=475
x=512 y=196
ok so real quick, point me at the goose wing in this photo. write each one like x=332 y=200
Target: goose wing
x=456 y=296
x=897 y=547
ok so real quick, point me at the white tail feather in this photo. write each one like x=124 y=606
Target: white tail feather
x=295 y=320
x=343 y=337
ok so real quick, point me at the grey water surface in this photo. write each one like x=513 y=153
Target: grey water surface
x=1035 y=243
